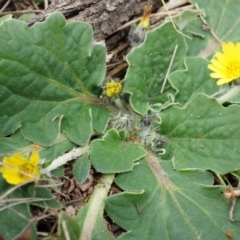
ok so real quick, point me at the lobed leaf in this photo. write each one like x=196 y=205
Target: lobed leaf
x=49 y=78
x=68 y=227
x=222 y=17
x=15 y=207
x=113 y=154
x=195 y=79
x=184 y=18
x=148 y=65
x=160 y=203
x=202 y=135
x=50 y=202
x=81 y=169
x=15 y=143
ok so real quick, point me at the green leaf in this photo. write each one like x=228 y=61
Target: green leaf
x=235 y=98
x=222 y=17
x=81 y=169
x=202 y=135
x=61 y=146
x=5 y=18
x=195 y=79
x=15 y=143
x=26 y=17
x=90 y=217
x=47 y=201
x=3 y=184
x=14 y=206
x=49 y=78
x=148 y=65
x=16 y=212
x=184 y=18
x=68 y=227
x=173 y=205
x=113 y=154
x=58 y=172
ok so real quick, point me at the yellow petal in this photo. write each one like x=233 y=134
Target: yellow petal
x=14 y=179
x=34 y=159
x=217 y=75
x=15 y=160
x=215 y=69
x=224 y=80
x=221 y=58
x=229 y=50
x=9 y=169
x=16 y=169
x=218 y=64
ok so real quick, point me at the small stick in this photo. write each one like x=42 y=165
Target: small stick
x=174 y=26
x=45 y=4
x=5 y=5
x=169 y=68
x=26 y=233
x=232 y=195
x=21 y=12
x=138 y=209
x=65 y=230
x=233 y=203
x=208 y=27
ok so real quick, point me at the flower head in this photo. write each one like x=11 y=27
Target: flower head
x=17 y=169
x=113 y=89
x=145 y=20
x=226 y=65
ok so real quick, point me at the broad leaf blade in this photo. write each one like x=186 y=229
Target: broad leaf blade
x=14 y=211
x=15 y=207
x=173 y=205
x=113 y=154
x=81 y=169
x=195 y=79
x=49 y=76
x=47 y=201
x=148 y=65
x=184 y=18
x=223 y=19
x=68 y=227
x=203 y=135
x=5 y=18
x=15 y=143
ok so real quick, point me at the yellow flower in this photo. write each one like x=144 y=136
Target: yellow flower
x=145 y=20
x=226 y=65
x=113 y=89
x=17 y=169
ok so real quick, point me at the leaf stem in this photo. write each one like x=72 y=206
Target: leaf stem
x=220 y=179
x=231 y=93
x=74 y=153
x=96 y=205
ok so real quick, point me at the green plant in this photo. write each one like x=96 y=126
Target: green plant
x=164 y=147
